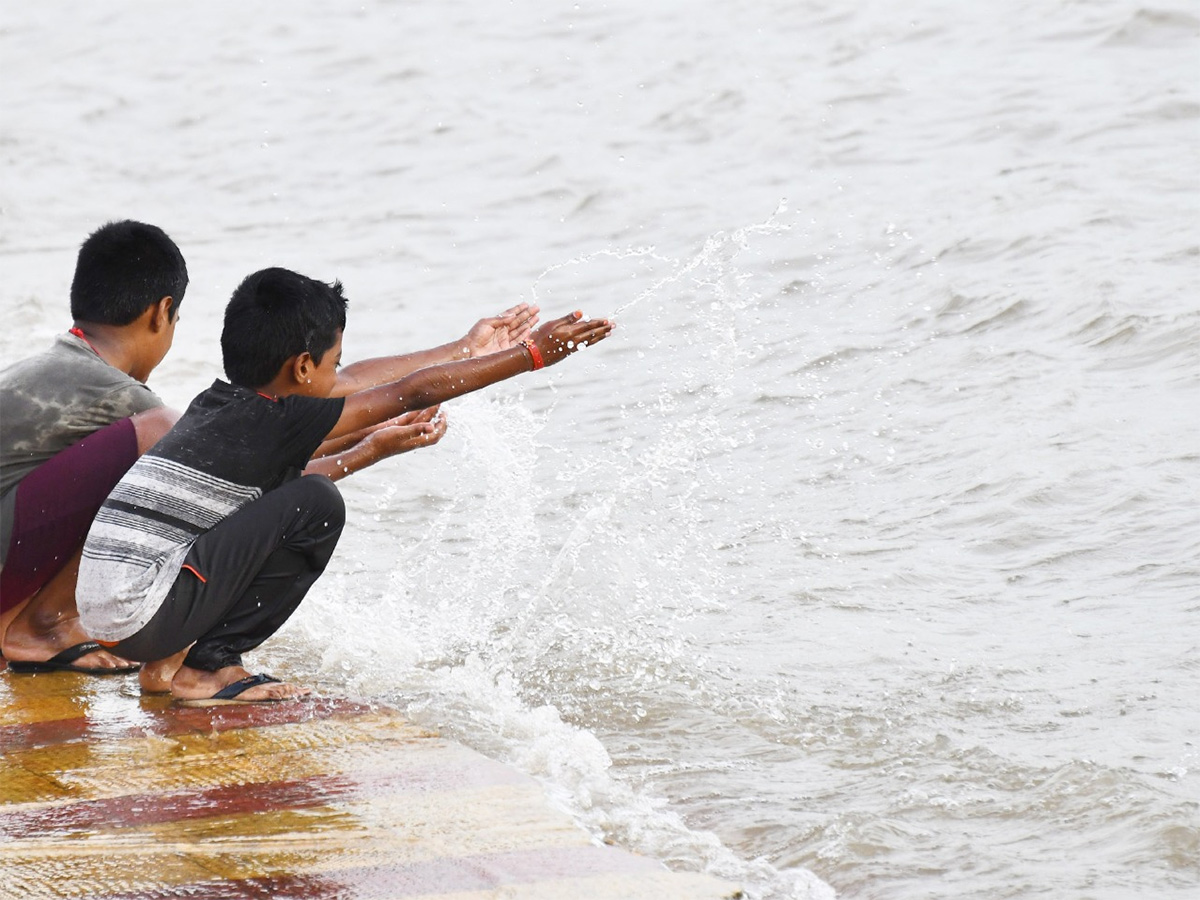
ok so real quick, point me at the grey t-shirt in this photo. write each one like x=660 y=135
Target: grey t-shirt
x=53 y=400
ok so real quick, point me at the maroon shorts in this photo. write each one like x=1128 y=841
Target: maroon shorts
x=55 y=505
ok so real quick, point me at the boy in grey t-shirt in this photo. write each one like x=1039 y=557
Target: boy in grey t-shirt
x=74 y=420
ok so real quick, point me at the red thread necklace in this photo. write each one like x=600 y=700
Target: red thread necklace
x=78 y=332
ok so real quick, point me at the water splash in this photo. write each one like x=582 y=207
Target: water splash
x=542 y=601
x=716 y=255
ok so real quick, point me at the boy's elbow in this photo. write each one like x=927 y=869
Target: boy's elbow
x=424 y=389
x=421 y=397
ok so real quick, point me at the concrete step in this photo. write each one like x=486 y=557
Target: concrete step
x=109 y=795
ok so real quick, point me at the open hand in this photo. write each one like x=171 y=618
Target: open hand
x=500 y=332
x=560 y=338
x=411 y=431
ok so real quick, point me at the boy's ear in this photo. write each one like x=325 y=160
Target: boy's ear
x=160 y=313
x=302 y=367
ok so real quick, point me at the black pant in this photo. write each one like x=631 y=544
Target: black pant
x=244 y=578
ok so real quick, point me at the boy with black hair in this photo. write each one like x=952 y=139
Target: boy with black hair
x=75 y=419
x=213 y=538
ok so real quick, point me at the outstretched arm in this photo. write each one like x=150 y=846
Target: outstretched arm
x=489 y=335
x=430 y=386
x=412 y=431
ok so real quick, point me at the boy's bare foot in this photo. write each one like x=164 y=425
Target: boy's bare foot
x=197 y=684
x=20 y=642
x=46 y=624
x=155 y=677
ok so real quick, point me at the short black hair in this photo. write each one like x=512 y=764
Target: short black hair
x=276 y=314
x=123 y=268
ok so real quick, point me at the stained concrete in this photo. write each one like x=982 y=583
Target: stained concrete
x=108 y=795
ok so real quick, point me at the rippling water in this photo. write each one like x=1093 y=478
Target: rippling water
x=863 y=558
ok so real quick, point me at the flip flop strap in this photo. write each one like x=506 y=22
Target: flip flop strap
x=71 y=654
x=239 y=687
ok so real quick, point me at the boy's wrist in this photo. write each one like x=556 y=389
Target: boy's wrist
x=371 y=450
x=534 y=354
x=360 y=455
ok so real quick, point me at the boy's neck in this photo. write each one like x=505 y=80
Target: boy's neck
x=278 y=387
x=117 y=345
x=296 y=376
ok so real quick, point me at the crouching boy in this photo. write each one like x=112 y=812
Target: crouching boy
x=213 y=538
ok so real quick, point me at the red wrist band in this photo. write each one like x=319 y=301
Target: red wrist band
x=534 y=353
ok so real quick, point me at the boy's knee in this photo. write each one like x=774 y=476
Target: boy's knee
x=152 y=425
x=324 y=516
x=324 y=499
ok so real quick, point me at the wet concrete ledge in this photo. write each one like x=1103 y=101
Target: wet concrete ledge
x=107 y=795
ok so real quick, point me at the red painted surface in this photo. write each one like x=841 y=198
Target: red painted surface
x=139 y=810
x=154 y=809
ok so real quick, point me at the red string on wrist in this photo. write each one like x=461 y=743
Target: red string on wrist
x=534 y=353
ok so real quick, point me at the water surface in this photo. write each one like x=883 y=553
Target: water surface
x=862 y=558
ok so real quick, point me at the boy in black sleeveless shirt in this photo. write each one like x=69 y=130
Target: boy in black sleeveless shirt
x=212 y=539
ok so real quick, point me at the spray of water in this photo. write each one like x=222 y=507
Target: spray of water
x=541 y=603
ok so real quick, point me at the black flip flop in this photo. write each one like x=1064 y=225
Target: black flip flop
x=230 y=695
x=65 y=662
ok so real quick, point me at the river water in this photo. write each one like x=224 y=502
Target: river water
x=862 y=559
